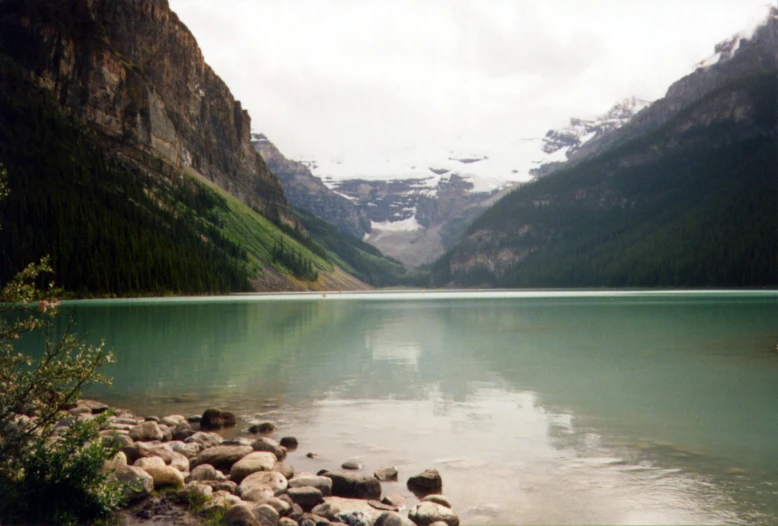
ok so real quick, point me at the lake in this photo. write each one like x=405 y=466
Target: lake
x=536 y=407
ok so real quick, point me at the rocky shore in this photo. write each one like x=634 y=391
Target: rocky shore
x=181 y=470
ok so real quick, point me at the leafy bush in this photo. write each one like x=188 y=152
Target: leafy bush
x=48 y=474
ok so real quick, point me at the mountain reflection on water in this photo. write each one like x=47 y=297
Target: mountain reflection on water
x=638 y=408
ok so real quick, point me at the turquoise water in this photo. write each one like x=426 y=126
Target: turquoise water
x=544 y=407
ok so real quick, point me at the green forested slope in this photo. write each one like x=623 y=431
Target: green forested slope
x=702 y=213
x=358 y=258
x=114 y=228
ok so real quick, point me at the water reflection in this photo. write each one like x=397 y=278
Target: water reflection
x=571 y=410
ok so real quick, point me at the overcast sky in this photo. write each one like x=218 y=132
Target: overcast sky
x=324 y=77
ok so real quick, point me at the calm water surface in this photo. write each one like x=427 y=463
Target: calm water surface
x=619 y=408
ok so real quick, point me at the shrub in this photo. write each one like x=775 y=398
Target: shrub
x=48 y=475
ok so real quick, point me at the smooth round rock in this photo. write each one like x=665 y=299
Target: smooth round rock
x=136 y=483
x=282 y=506
x=380 y=506
x=252 y=463
x=165 y=476
x=386 y=474
x=305 y=496
x=351 y=465
x=289 y=443
x=427 y=513
x=204 y=472
x=353 y=518
x=394 y=499
x=188 y=449
x=195 y=491
x=286 y=521
x=240 y=515
x=309 y=519
x=205 y=438
x=264 y=427
x=268 y=444
x=323 y=484
x=119 y=460
x=223 y=485
x=272 y=479
x=437 y=499
x=354 y=486
x=173 y=420
x=391 y=518
x=213 y=419
x=326 y=510
x=428 y=481
x=149 y=462
x=182 y=431
x=221 y=457
x=266 y=515
x=285 y=469
x=146 y=432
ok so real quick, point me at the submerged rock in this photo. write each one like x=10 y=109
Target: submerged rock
x=386 y=474
x=426 y=482
x=216 y=419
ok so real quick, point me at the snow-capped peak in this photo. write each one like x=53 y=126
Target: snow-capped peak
x=563 y=142
x=727 y=48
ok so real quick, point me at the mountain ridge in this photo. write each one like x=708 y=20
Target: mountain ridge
x=653 y=202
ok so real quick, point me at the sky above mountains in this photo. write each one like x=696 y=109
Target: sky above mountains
x=328 y=77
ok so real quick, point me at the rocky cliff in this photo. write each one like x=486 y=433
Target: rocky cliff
x=308 y=192
x=134 y=71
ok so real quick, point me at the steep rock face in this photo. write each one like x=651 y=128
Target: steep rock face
x=682 y=195
x=308 y=192
x=134 y=71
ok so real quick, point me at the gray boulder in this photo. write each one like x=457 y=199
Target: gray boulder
x=426 y=482
x=323 y=484
x=136 y=483
x=391 y=518
x=427 y=513
x=240 y=515
x=266 y=515
x=354 y=486
x=213 y=419
x=146 y=432
x=268 y=444
x=221 y=457
x=252 y=463
x=305 y=496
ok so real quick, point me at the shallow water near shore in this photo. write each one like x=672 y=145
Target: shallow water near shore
x=536 y=407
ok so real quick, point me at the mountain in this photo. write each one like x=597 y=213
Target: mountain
x=331 y=219
x=307 y=192
x=415 y=204
x=570 y=139
x=684 y=194
x=130 y=162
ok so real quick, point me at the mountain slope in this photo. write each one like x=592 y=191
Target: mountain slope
x=121 y=145
x=307 y=192
x=684 y=195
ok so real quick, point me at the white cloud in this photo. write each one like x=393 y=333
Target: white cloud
x=324 y=76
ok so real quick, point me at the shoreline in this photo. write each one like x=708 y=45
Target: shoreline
x=182 y=470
